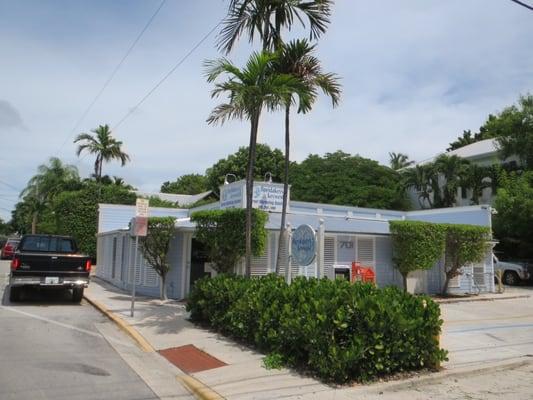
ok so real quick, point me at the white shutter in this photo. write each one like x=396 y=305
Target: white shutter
x=329 y=255
x=479 y=274
x=365 y=251
x=260 y=264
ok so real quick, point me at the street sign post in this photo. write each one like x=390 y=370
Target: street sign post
x=139 y=227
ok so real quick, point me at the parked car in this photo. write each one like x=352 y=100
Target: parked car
x=512 y=272
x=9 y=248
x=48 y=261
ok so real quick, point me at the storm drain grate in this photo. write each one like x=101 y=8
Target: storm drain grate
x=189 y=358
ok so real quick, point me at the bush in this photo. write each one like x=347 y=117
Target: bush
x=338 y=331
x=223 y=234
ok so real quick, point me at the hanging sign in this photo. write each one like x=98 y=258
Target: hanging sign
x=303 y=245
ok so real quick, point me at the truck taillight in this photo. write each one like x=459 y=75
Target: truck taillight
x=88 y=266
x=15 y=263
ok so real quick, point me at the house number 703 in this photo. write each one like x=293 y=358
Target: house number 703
x=346 y=244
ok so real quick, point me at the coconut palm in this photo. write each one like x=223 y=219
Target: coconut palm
x=268 y=18
x=420 y=178
x=250 y=90
x=51 y=179
x=105 y=146
x=476 y=178
x=452 y=170
x=399 y=161
x=296 y=58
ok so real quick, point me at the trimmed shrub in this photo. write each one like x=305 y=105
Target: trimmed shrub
x=337 y=331
x=416 y=245
x=223 y=234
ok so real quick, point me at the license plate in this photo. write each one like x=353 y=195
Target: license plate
x=51 y=280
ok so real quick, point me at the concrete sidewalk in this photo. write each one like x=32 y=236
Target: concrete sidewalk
x=166 y=326
x=161 y=326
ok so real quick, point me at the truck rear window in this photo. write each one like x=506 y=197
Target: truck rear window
x=46 y=243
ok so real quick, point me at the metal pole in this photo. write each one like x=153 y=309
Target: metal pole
x=134 y=280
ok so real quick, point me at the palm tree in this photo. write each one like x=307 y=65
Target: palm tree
x=105 y=146
x=296 y=59
x=267 y=18
x=250 y=90
x=420 y=178
x=476 y=178
x=42 y=188
x=452 y=169
x=399 y=161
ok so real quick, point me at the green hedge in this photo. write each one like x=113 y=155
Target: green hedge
x=338 y=331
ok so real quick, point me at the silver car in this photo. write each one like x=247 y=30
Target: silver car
x=512 y=273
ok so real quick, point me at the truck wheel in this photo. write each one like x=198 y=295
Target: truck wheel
x=77 y=294
x=511 y=278
x=14 y=294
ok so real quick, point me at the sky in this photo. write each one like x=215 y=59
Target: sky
x=415 y=74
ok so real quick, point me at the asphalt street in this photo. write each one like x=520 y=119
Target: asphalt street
x=51 y=348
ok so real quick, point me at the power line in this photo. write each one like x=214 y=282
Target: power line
x=9 y=185
x=9 y=200
x=523 y=4
x=174 y=68
x=108 y=81
x=163 y=79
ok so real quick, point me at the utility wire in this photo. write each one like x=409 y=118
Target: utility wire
x=9 y=185
x=160 y=82
x=108 y=81
x=523 y=4
x=167 y=75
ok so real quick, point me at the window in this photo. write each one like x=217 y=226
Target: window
x=463 y=193
x=48 y=243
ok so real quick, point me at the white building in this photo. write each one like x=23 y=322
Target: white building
x=483 y=153
x=351 y=234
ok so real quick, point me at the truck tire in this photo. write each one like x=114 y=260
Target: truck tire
x=14 y=294
x=77 y=294
x=511 y=278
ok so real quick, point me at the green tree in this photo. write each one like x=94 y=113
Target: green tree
x=416 y=245
x=452 y=169
x=186 y=184
x=399 y=160
x=512 y=224
x=77 y=211
x=250 y=90
x=155 y=246
x=513 y=128
x=50 y=180
x=155 y=201
x=296 y=58
x=420 y=178
x=465 y=244
x=267 y=19
x=104 y=145
x=339 y=178
x=267 y=160
x=476 y=178
x=222 y=233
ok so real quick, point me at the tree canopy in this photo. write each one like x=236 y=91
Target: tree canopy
x=186 y=184
x=268 y=160
x=340 y=178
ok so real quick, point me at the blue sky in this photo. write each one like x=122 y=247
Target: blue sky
x=415 y=74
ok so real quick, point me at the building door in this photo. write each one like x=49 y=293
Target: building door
x=198 y=260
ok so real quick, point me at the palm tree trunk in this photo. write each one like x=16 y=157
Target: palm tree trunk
x=96 y=167
x=100 y=168
x=446 y=283
x=282 y=229
x=249 y=191
x=34 y=223
x=404 y=279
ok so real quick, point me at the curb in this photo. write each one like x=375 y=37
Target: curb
x=471 y=300
x=132 y=332
x=198 y=389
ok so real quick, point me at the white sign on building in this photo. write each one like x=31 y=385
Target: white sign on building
x=267 y=196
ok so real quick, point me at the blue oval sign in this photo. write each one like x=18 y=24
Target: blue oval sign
x=303 y=245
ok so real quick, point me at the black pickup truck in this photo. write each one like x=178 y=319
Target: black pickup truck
x=49 y=261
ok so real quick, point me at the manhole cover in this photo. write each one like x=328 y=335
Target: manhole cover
x=190 y=359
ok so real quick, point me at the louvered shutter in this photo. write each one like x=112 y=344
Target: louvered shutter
x=365 y=251
x=329 y=255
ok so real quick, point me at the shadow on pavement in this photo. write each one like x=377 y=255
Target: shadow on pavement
x=40 y=297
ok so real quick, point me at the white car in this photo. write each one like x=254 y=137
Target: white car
x=512 y=273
